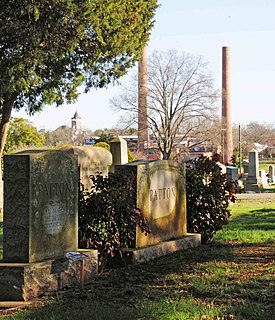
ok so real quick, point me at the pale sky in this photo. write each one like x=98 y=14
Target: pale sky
x=199 y=27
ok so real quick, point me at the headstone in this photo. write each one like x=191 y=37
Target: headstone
x=245 y=167
x=232 y=173
x=271 y=173
x=253 y=181
x=264 y=178
x=92 y=161
x=119 y=151
x=40 y=206
x=41 y=226
x=161 y=197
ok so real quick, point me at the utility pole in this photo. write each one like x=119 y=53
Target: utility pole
x=240 y=149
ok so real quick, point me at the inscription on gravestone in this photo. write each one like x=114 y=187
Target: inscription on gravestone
x=41 y=200
x=162 y=194
x=162 y=199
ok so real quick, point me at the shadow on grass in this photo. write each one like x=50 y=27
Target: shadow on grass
x=213 y=280
x=262 y=219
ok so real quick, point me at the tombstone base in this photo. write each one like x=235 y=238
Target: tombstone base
x=163 y=248
x=253 y=184
x=28 y=281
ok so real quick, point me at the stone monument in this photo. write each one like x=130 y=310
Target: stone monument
x=119 y=151
x=264 y=179
x=271 y=174
x=162 y=198
x=253 y=180
x=92 y=161
x=40 y=225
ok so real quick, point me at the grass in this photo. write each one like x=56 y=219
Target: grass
x=265 y=166
x=232 y=278
x=252 y=222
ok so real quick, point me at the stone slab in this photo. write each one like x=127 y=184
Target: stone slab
x=25 y=282
x=92 y=161
x=40 y=206
x=253 y=184
x=161 y=195
x=161 y=249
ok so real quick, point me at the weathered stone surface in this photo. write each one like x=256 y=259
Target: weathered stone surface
x=161 y=197
x=40 y=206
x=253 y=181
x=164 y=248
x=118 y=148
x=91 y=160
x=271 y=173
x=24 y=282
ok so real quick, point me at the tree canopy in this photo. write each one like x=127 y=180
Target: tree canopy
x=48 y=48
x=22 y=134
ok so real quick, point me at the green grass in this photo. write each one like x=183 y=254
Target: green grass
x=252 y=222
x=232 y=278
x=265 y=166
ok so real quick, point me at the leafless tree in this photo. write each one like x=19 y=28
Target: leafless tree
x=180 y=96
x=251 y=133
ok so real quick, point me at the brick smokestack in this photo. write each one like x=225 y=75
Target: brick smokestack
x=143 y=131
x=226 y=131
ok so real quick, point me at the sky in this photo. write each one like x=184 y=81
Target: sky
x=201 y=28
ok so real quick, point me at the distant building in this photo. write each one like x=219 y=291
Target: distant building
x=76 y=122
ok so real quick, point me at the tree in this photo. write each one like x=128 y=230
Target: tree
x=59 y=137
x=48 y=48
x=180 y=93
x=251 y=133
x=22 y=134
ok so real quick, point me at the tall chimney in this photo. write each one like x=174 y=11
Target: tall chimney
x=143 y=131
x=226 y=131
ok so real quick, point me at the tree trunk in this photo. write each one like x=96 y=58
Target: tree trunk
x=4 y=126
x=5 y=120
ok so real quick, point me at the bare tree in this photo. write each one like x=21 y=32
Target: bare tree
x=180 y=89
x=251 y=133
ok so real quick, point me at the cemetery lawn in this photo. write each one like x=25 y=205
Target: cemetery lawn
x=231 y=278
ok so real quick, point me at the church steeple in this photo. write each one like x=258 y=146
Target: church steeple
x=76 y=122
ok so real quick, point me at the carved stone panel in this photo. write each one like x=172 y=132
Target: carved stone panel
x=41 y=200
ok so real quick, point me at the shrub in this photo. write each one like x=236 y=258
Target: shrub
x=104 y=145
x=108 y=215
x=208 y=195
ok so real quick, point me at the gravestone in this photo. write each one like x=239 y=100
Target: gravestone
x=232 y=173
x=271 y=174
x=264 y=178
x=40 y=206
x=41 y=226
x=160 y=194
x=253 y=180
x=119 y=151
x=92 y=161
x=245 y=167
x=161 y=197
